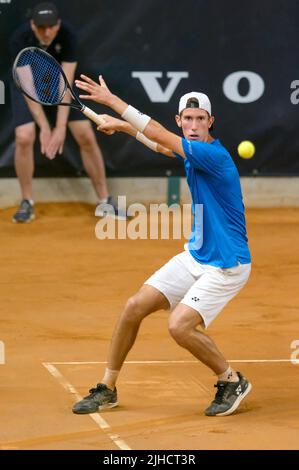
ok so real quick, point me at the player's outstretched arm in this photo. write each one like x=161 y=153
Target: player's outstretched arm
x=118 y=125
x=100 y=93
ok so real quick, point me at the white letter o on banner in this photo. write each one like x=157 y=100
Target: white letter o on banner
x=256 y=86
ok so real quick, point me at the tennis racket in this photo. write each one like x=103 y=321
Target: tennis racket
x=41 y=78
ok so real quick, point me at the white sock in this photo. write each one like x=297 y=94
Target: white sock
x=229 y=376
x=31 y=201
x=110 y=378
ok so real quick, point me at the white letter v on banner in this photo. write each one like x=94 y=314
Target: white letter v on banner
x=152 y=86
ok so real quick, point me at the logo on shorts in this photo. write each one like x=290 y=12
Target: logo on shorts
x=196 y=299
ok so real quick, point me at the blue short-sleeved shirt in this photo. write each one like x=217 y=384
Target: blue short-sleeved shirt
x=219 y=231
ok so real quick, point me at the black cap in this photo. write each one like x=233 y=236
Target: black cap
x=45 y=14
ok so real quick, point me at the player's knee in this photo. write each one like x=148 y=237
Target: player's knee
x=178 y=330
x=25 y=138
x=134 y=309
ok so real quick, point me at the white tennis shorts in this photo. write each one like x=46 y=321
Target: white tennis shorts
x=205 y=288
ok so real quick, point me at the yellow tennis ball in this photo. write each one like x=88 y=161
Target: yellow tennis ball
x=246 y=149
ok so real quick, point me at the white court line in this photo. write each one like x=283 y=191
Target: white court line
x=293 y=361
x=97 y=418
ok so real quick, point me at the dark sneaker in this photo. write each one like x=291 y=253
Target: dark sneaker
x=111 y=208
x=228 y=396
x=99 y=398
x=25 y=213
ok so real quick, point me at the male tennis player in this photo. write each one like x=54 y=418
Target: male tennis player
x=47 y=31
x=199 y=282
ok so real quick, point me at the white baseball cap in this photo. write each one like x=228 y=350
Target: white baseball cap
x=203 y=101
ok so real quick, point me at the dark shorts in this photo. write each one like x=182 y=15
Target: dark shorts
x=22 y=114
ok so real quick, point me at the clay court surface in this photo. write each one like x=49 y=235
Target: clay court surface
x=61 y=293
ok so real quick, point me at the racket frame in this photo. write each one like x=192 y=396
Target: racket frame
x=77 y=104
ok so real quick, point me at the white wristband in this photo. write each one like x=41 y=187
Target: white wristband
x=149 y=143
x=136 y=118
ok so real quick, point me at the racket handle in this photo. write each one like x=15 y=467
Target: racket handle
x=93 y=116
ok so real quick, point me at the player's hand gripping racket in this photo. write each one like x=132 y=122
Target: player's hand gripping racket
x=41 y=78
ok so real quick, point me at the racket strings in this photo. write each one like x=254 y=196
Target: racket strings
x=40 y=77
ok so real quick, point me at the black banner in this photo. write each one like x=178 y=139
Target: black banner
x=242 y=54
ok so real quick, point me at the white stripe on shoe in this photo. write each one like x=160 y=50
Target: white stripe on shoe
x=237 y=402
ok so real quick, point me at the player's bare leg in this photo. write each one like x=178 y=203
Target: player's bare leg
x=182 y=327
x=232 y=386
x=91 y=156
x=147 y=300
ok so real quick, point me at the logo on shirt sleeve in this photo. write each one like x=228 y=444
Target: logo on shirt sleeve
x=58 y=48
